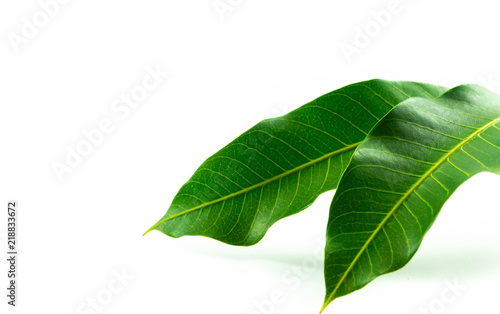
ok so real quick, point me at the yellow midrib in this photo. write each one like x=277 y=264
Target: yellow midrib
x=407 y=194
x=245 y=190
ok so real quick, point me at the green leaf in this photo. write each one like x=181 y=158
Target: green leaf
x=281 y=165
x=400 y=177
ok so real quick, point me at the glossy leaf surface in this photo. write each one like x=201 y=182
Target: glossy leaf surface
x=400 y=177
x=281 y=165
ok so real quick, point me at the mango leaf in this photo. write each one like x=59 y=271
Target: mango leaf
x=281 y=165
x=400 y=177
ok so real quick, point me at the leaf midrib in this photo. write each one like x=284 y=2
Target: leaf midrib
x=400 y=202
x=265 y=182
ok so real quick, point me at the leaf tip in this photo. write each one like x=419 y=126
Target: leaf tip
x=327 y=302
x=323 y=308
x=150 y=229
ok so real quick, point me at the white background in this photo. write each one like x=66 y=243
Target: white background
x=259 y=60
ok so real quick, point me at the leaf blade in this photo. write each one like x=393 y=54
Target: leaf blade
x=281 y=165
x=417 y=182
